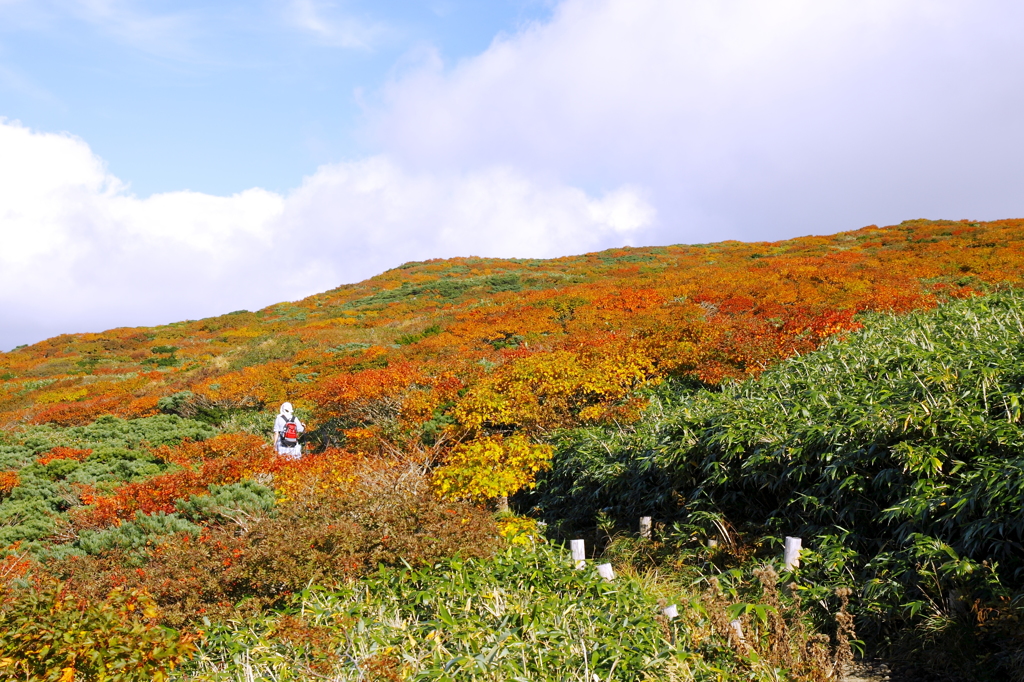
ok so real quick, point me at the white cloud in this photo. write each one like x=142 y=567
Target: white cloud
x=324 y=21
x=602 y=70
x=82 y=253
x=745 y=118
x=130 y=22
x=160 y=33
x=375 y=214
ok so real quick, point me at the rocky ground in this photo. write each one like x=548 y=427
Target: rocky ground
x=879 y=671
x=868 y=671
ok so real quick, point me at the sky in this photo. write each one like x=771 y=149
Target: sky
x=162 y=161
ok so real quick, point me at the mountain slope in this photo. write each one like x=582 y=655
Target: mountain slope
x=136 y=474
x=708 y=311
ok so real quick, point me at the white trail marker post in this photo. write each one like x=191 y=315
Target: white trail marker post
x=737 y=629
x=791 y=553
x=579 y=553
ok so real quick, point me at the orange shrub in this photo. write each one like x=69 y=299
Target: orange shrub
x=333 y=471
x=8 y=481
x=249 y=387
x=61 y=452
x=189 y=453
x=140 y=407
x=13 y=565
x=77 y=414
x=370 y=396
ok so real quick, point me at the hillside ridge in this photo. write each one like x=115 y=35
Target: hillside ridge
x=733 y=309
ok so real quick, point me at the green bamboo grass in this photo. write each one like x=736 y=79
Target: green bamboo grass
x=526 y=614
x=896 y=454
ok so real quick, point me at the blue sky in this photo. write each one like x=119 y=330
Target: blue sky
x=221 y=96
x=175 y=160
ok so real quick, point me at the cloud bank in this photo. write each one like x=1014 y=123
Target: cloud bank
x=745 y=119
x=82 y=253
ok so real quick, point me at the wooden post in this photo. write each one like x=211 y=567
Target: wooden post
x=670 y=612
x=606 y=571
x=579 y=553
x=791 y=553
x=645 y=527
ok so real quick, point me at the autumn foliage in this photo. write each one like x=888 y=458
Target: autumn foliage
x=226 y=458
x=8 y=482
x=61 y=452
x=52 y=634
x=491 y=467
x=430 y=355
x=337 y=516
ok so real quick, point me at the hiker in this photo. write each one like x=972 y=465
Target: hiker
x=287 y=428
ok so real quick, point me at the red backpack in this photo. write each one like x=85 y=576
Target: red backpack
x=290 y=435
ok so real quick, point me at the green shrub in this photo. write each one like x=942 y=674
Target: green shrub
x=36 y=507
x=505 y=282
x=15 y=457
x=143 y=531
x=26 y=519
x=240 y=503
x=527 y=613
x=173 y=404
x=408 y=339
x=109 y=432
x=264 y=349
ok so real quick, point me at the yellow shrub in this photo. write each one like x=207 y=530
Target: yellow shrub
x=520 y=530
x=551 y=389
x=62 y=395
x=491 y=467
